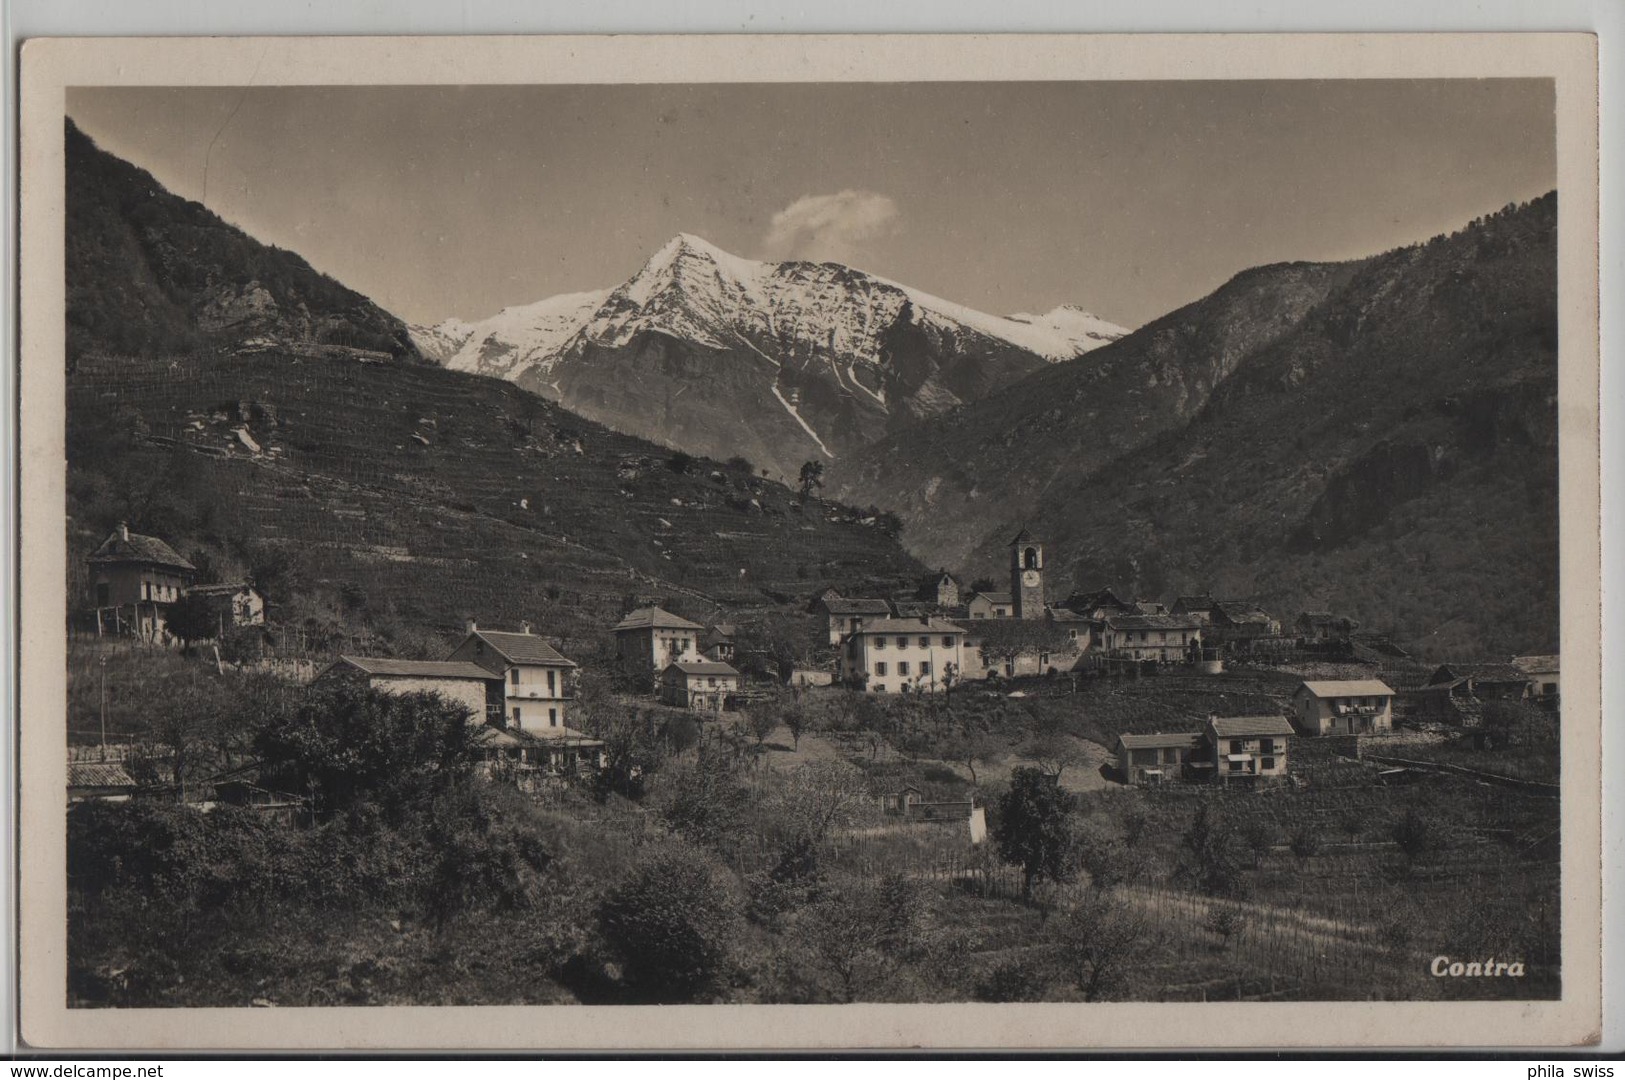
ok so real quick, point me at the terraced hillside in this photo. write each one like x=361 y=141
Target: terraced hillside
x=380 y=505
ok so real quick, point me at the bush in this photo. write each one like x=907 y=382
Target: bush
x=673 y=923
x=1025 y=977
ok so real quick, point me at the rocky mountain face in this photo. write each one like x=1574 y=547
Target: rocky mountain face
x=1377 y=437
x=150 y=273
x=778 y=363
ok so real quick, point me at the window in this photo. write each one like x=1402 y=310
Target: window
x=1235 y=746
x=902 y=642
x=552 y=681
x=880 y=642
x=1170 y=756
x=146 y=590
x=902 y=667
x=925 y=668
x=1267 y=763
x=711 y=680
x=880 y=667
x=947 y=641
x=103 y=598
x=513 y=676
x=977 y=615
x=1266 y=746
x=878 y=688
x=924 y=642
x=1143 y=757
x=1236 y=766
x=552 y=718
x=516 y=716
x=1072 y=635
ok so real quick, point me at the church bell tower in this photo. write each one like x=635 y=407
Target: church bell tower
x=1027 y=576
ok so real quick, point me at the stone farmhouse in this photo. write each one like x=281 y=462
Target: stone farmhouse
x=701 y=685
x=135 y=580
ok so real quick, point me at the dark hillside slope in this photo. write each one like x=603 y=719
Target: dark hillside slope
x=984 y=466
x=381 y=505
x=1392 y=456
x=150 y=273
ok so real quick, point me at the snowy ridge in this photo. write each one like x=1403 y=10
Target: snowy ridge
x=694 y=290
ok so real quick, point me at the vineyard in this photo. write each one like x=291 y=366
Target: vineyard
x=411 y=496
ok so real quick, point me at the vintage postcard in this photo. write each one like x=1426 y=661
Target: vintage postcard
x=810 y=542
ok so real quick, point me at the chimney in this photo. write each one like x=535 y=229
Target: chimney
x=524 y=628
x=472 y=626
x=124 y=531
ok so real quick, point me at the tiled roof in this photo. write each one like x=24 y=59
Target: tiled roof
x=1532 y=664
x=427 y=669
x=995 y=598
x=87 y=774
x=222 y=589
x=133 y=547
x=1243 y=611
x=1347 y=688
x=910 y=626
x=703 y=667
x=1152 y=622
x=851 y=606
x=1160 y=742
x=1490 y=672
x=528 y=648
x=1185 y=604
x=645 y=618
x=1229 y=727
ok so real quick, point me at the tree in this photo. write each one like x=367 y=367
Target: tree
x=1259 y=836
x=1225 y=922
x=186 y=730
x=673 y=923
x=795 y=719
x=1414 y=835
x=812 y=476
x=1209 y=856
x=1033 y=830
x=763 y=720
x=350 y=746
x=1100 y=937
x=192 y=619
x=1054 y=752
x=704 y=801
x=813 y=799
x=1305 y=841
x=680 y=463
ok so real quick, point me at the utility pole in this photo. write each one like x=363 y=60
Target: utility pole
x=104 y=707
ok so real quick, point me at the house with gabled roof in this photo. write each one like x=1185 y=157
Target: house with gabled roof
x=845 y=614
x=538 y=681
x=1343 y=707
x=990 y=605
x=1164 y=638
x=655 y=637
x=1160 y=758
x=1248 y=748
x=1545 y=676
x=901 y=656
x=459 y=681
x=134 y=580
x=1457 y=692
x=717 y=643
x=701 y=685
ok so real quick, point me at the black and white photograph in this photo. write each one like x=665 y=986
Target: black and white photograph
x=851 y=541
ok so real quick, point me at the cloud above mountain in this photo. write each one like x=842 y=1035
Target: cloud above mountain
x=834 y=227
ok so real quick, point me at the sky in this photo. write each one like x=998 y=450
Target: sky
x=1127 y=199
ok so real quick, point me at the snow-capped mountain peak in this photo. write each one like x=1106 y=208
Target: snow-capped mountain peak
x=724 y=355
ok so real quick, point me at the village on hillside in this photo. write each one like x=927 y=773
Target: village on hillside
x=1327 y=679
